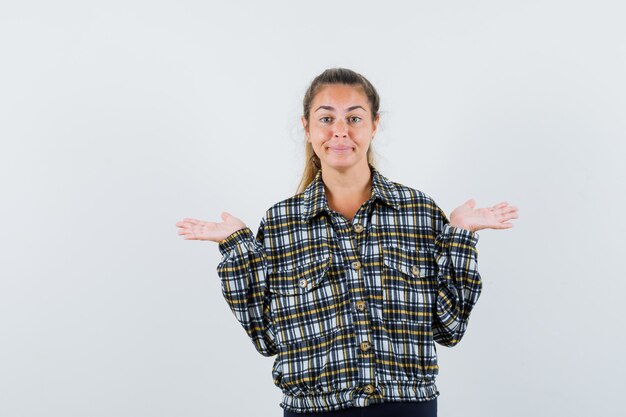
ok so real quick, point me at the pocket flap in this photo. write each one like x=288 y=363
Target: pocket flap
x=416 y=263
x=300 y=278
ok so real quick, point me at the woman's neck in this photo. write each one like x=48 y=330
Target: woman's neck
x=347 y=190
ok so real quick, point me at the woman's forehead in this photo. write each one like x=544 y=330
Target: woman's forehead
x=340 y=97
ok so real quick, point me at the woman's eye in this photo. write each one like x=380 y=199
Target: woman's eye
x=353 y=119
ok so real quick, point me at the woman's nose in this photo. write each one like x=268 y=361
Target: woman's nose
x=340 y=128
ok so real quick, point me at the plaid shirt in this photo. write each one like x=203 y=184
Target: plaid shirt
x=352 y=309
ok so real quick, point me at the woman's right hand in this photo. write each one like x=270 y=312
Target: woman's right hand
x=194 y=229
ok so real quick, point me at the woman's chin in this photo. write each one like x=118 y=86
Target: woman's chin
x=340 y=163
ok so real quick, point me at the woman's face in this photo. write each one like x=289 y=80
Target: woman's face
x=340 y=128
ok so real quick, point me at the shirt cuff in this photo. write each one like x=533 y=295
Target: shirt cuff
x=458 y=235
x=230 y=242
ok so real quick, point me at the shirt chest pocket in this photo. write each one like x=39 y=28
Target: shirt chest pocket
x=409 y=284
x=307 y=300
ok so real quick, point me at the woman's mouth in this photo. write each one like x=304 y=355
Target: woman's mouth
x=340 y=149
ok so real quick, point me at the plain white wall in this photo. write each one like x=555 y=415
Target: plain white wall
x=118 y=119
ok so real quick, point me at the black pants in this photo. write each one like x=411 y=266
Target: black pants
x=395 y=409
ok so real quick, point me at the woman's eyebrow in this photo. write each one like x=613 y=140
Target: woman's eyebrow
x=333 y=109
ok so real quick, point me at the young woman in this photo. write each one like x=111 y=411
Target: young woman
x=351 y=281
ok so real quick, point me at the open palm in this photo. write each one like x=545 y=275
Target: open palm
x=194 y=229
x=469 y=217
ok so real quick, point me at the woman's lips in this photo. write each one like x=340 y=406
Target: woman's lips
x=340 y=149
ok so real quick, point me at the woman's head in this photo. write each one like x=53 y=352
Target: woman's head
x=340 y=118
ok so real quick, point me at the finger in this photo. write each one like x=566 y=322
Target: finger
x=505 y=210
x=185 y=223
x=190 y=220
x=503 y=217
x=510 y=212
x=501 y=226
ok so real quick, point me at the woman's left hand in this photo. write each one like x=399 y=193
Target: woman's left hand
x=468 y=217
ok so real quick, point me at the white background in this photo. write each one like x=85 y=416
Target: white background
x=119 y=118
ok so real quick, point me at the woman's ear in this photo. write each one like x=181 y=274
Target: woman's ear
x=304 y=124
x=375 y=125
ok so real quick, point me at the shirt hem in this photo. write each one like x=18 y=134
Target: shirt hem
x=388 y=391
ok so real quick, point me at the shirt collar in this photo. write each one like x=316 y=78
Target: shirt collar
x=315 y=196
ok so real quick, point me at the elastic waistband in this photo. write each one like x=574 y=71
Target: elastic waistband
x=386 y=391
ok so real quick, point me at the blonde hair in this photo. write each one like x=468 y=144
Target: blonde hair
x=312 y=162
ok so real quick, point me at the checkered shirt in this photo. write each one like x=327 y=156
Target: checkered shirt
x=352 y=308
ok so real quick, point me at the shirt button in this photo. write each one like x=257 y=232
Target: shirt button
x=356 y=265
x=369 y=388
x=358 y=227
x=302 y=283
x=360 y=305
x=416 y=270
x=365 y=346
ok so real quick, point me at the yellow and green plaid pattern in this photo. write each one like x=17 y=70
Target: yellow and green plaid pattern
x=352 y=309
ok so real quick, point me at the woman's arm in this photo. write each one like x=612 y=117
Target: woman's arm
x=243 y=274
x=459 y=283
